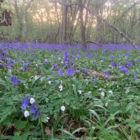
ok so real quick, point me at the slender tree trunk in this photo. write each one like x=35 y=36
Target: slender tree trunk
x=81 y=22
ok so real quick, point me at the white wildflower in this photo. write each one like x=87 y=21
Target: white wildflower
x=36 y=77
x=36 y=65
x=47 y=119
x=110 y=92
x=49 y=82
x=100 y=89
x=61 y=87
x=26 y=113
x=63 y=108
x=79 y=91
x=32 y=100
x=103 y=94
x=106 y=104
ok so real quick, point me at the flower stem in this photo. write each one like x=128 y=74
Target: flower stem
x=41 y=127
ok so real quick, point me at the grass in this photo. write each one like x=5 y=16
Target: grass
x=100 y=97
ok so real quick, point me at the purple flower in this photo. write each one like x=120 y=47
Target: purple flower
x=70 y=71
x=34 y=56
x=135 y=77
x=9 y=64
x=129 y=64
x=60 y=72
x=114 y=64
x=85 y=70
x=123 y=68
x=65 y=56
x=78 y=56
x=107 y=74
x=15 y=80
x=24 y=103
x=138 y=59
x=45 y=62
x=127 y=72
x=23 y=67
x=111 y=56
x=34 y=110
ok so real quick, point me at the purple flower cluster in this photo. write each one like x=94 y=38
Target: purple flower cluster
x=15 y=80
x=25 y=104
x=129 y=64
x=114 y=64
x=123 y=68
x=70 y=71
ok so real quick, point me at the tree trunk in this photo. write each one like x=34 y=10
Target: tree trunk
x=81 y=22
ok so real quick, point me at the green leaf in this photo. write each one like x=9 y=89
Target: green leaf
x=20 y=124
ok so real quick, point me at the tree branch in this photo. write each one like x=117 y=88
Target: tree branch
x=113 y=26
x=126 y=11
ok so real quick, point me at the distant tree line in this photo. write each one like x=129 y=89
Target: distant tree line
x=84 y=21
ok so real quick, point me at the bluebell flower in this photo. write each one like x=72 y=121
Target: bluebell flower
x=25 y=102
x=135 y=77
x=127 y=72
x=70 y=71
x=35 y=113
x=123 y=68
x=45 y=62
x=111 y=56
x=60 y=72
x=15 y=80
x=34 y=56
x=105 y=51
x=9 y=64
x=21 y=61
x=114 y=64
x=65 y=56
x=34 y=110
x=85 y=70
x=107 y=74
x=78 y=56
x=23 y=67
x=129 y=64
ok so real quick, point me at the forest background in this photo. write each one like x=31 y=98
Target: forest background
x=71 y=21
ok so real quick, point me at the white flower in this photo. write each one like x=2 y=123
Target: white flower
x=110 y=92
x=45 y=59
x=63 y=108
x=62 y=62
x=100 y=89
x=79 y=91
x=26 y=113
x=47 y=119
x=32 y=100
x=103 y=94
x=58 y=58
x=106 y=104
x=36 y=77
x=36 y=65
x=49 y=82
x=61 y=87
